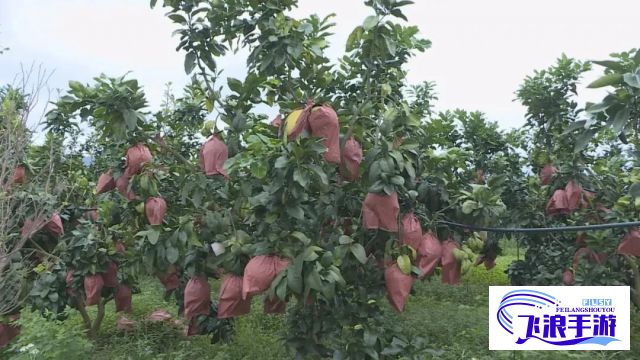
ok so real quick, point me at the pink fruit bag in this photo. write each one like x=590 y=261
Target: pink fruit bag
x=123 y=299
x=352 y=157
x=110 y=277
x=136 y=157
x=380 y=211
x=558 y=204
x=259 y=272
x=230 y=302
x=450 y=266
x=155 y=209
x=429 y=253
x=410 y=231
x=630 y=244
x=93 y=285
x=323 y=122
x=105 y=183
x=213 y=154
x=398 y=286
x=197 y=297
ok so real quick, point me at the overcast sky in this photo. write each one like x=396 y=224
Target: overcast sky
x=481 y=49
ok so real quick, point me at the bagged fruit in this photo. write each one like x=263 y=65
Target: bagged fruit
x=122 y=184
x=410 y=231
x=297 y=122
x=323 y=122
x=93 y=285
x=260 y=272
x=159 y=316
x=125 y=324
x=574 y=195
x=197 y=297
x=558 y=204
x=398 y=286
x=630 y=244
x=213 y=155
x=230 y=303
x=123 y=299
x=106 y=183
x=54 y=226
x=352 y=157
x=429 y=254
x=155 y=209
x=567 y=278
x=547 y=173
x=136 y=157
x=450 y=266
x=110 y=277
x=380 y=211
x=19 y=175
x=169 y=279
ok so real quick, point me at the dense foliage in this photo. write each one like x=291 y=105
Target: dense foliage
x=322 y=211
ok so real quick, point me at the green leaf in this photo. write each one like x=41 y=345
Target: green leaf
x=295 y=212
x=613 y=65
x=281 y=162
x=172 y=255
x=468 y=206
x=259 y=170
x=189 y=62
x=130 y=118
x=302 y=237
x=321 y=174
x=344 y=240
x=632 y=79
x=620 y=120
x=634 y=190
x=370 y=22
x=354 y=37
x=404 y=263
x=599 y=107
x=281 y=288
x=313 y=280
x=310 y=253
x=300 y=177
x=295 y=50
x=391 y=45
x=178 y=18
x=358 y=251
x=583 y=139
x=294 y=275
x=370 y=339
x=397 y=180
x=153 y=236
x=235 y=85
x=607 y=80
x=76 y=86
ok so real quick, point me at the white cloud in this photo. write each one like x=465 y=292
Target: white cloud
x=481 y=49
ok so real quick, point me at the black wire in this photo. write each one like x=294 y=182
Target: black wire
x=543 y=230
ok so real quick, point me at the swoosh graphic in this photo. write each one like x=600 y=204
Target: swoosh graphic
x=599 y=340
x=533 y=291
x=507 y=305
x=530 y=295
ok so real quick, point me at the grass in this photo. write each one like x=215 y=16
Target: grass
x=451 y=318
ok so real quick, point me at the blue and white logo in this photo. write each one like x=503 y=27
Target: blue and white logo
x=559 y=318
